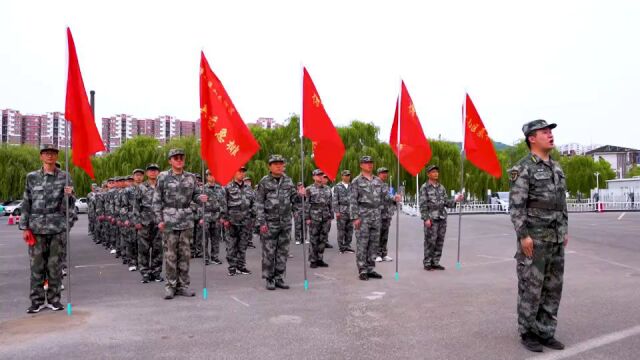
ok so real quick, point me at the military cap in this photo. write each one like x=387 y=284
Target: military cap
x=45 y=147
x=104 y=183
x=382 y=170
x=174 y=152
x=121 y=178
x=138 y=171
x=317 y=172
x=276 y=158
x=207 y=172
x=153 y=166
x=432 y=167
x=94 y=185
x=346 y=173
x=111 y=179
x=129 y=178
x=366 y=159
x=299 y=183
x=242 y=168
x=198 y=176
x=246 y=178
x=531 y=126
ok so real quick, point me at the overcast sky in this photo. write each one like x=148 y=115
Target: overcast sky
x=576 y=63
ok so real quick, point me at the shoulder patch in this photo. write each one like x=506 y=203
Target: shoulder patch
x=514 y=173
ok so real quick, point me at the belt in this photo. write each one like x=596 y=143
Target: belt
x=544 y=205
x=44 y=211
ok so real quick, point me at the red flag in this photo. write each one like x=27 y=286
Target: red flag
x=328 y=148
x=85 y=139
x=227 y=143
x=478 y=147
x=415 y=151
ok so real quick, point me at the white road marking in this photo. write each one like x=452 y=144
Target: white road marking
x=607 y=261
x=590 y=344
x=324 y=276
x=487 y=263
x=94 y=265
x=494 y=257
x=375 y=295
x=621 y=216
x=240 y=301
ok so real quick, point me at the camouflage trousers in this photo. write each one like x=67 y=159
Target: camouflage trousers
x=213 y=236
x=238 y=236
x=540 y=288
x=63 y=252
x=384 y=237
x=149 y=250
x=97 y=231
x=92 y=220
x=345 y=232
x=325 y=231
x=317 y=234
x=367 y=238
x=196 y=241
x=433 y=242
x=45 y=263
x=297 y=223
x=275 y=250
x=131 y=238
x=177 y=255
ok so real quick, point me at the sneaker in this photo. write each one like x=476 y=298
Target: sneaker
x=216 y=262
x=271 y=284
x=298 y=243
x=321 y=263
x=185 y=292
x=243 y=271
x=55 y=306
x=232 y=272
x=112 y=251
x=328 y=246
x=374 y=275
x=531 y=343
x=378 y=259
x=61 y=287
x=250 y=245
x=169 y=293
x=132 y=268
x=145 y=280
x=34 y=308
x=158 y=278
x=280 y=284
x=387 y=258
x=437 y=267
x=207 y=262
x=313 y=265
x=64 y=272
x=363 y=276
x=349 y=250
x=552 y=343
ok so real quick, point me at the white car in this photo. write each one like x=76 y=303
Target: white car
x=81 y=205
x=13 y=208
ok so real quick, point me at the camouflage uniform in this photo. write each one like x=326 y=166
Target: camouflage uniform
x=538 y=208
x=121 y=244
x=214 y=209
x=240 y=210
x=319 y=212
x=366 y=198
x=44 y=213
x=275 y=198
x=433 y=200
x=98 y=204
x=341 y=205
x=388 y=209
x=172 y=206
x=91 y=212
x=129 y=197
x=149 y=241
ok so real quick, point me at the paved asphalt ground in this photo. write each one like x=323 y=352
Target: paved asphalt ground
x=455 y=314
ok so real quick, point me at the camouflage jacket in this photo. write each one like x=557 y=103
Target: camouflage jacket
x=128 y=198
x=216 y=204
x=433 y=201
x=537 y=199
x=276 y=197
x=110 y=202
x=172 y=200
x=43 y=207
x=389 y=204
x=91 y=204
x=340 y=199
x=98 y=201
x=319 y=203
x=144 y=210
x=366 y=197
x=240 y=200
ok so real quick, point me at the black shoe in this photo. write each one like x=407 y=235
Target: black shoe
x=244 y=271
x=531 y=343
x=552 y=343
x=328 y=246
x=158 y=278
x=145 y=279
x=207 y=262
x=55 y=306
x=250 y=245
x=169 y=293
x=313 y=265
x=374 y=275
x=363 y=276
x=349 y=250
x=216 y=262
x=280 y=284
x=428 y=267
x=321 y=263
x=34 y=308
x=437 y=267
x=185 y=292
x=271 y=284
x=232 y=272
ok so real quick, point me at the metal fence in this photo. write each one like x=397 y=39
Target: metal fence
x=574 y=207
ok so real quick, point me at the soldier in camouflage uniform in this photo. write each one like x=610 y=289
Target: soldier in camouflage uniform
x=432 y=202
x=388 y=209
x=367 y=197
x=120 y=232
x=129 y=197
x=212 y=220
x=237 y=222
x=175 y=191
x=107 y=229
x=149 y=241
x=317 y=214
x=340 y=204
x=297 y=218
x=98 y=201
x=43 y=215
x=276 y=195
x=91 y=211
x=538 y=209
x=247 y=182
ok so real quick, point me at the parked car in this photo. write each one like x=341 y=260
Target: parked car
x=81 y=205
x=501 y=198
x=12 y=208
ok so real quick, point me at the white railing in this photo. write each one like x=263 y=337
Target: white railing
x=412 y=210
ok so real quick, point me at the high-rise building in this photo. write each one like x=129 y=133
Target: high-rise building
x=11 y=129
x=117 y=129
x=52 y=129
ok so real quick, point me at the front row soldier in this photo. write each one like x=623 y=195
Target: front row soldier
x=367 y=197
x=43 y=227
x=432 y=202
x=237 y=222
x=149 y=240
x=212 y=220
x=538 y=209
x=276 y=195
x=175 y=191
x=317 y=214
x=340 y=205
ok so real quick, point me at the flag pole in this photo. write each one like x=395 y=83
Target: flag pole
x=66 y=198
x=204 y=234
x=398 y=206
x=304 y=242
x=462 y=156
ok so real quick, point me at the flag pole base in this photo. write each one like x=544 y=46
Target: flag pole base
x=306 y=285
x=397 y=276
x=458 y=266
x=69 y=311
x=204 y=293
